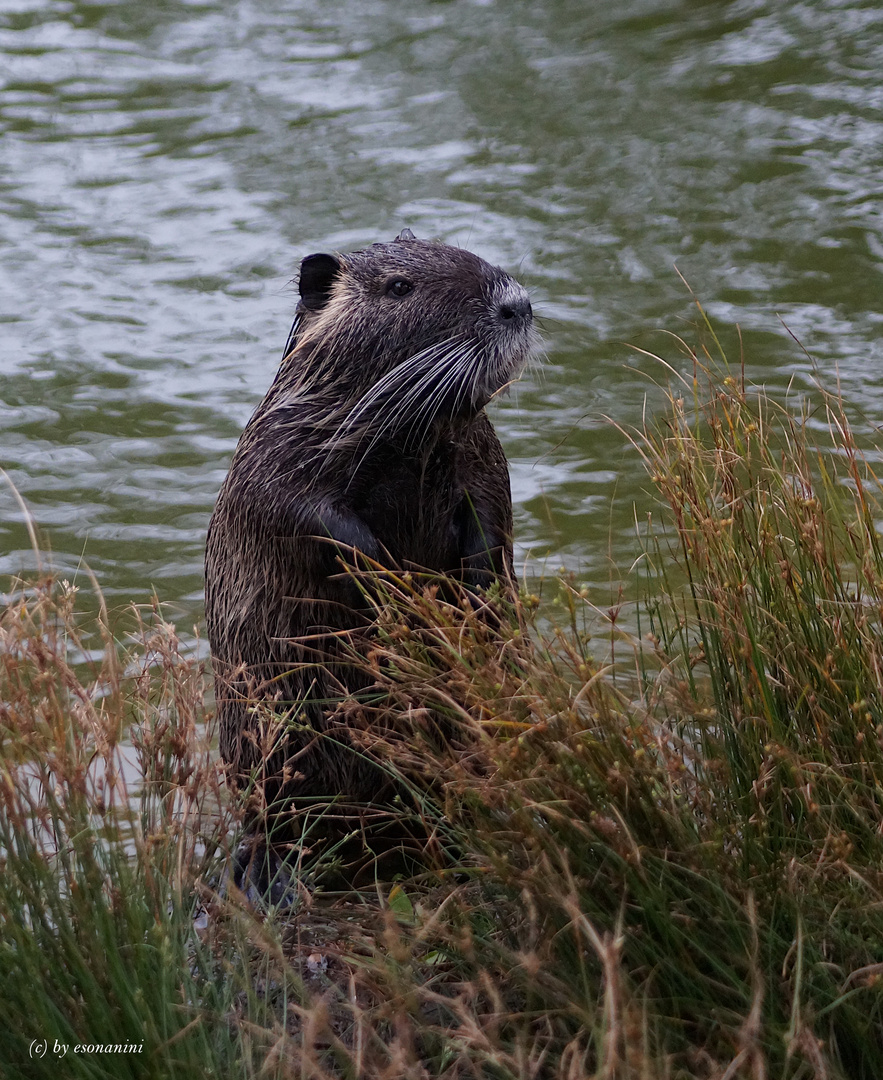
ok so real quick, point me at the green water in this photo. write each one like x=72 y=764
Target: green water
x=165 y=166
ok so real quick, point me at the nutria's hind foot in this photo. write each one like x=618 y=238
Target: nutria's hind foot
x=274 y=875
x=266 y=876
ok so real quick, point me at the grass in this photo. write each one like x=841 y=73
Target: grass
x=664 y=864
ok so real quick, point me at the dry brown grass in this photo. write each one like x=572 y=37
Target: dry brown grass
x=673 y=873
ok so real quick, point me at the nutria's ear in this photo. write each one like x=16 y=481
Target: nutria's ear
x=405 y=234
x=317 y=274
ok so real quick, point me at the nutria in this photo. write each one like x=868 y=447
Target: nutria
x=372 y=439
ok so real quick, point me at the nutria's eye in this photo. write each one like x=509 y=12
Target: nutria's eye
x=399 y=287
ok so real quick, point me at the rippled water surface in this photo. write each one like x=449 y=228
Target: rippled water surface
x=164 y=167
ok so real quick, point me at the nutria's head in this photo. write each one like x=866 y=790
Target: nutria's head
x=405 y=333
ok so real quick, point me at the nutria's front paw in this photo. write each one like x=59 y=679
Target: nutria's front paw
x=346 y=532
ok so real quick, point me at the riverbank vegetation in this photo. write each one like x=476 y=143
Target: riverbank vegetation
x=653 y=854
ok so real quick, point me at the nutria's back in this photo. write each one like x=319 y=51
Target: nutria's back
x=372 y=438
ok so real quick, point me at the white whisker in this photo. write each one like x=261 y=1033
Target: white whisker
x=388 y=388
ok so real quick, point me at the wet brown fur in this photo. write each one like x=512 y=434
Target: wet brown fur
x=413 y=476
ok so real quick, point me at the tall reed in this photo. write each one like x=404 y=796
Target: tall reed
x=660 y=862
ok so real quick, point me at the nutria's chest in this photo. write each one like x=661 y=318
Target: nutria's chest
x=410 y=502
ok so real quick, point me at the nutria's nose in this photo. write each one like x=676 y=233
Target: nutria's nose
x=515 y=309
